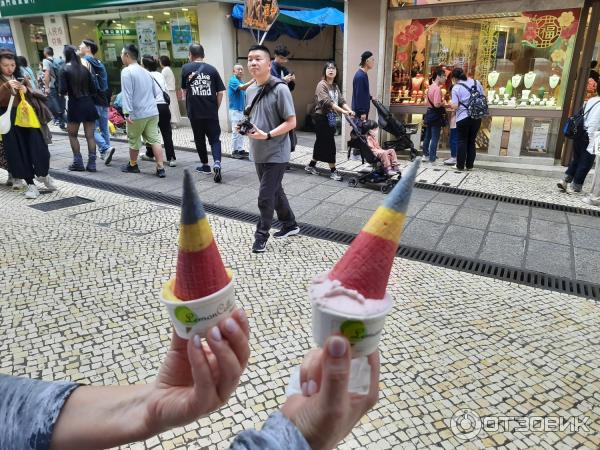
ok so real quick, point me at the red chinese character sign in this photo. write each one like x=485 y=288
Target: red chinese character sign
x=260 y=15
x=545 y=29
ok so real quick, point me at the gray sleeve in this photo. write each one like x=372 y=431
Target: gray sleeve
x=278 y=433
x=285 y=102
x=29 y=410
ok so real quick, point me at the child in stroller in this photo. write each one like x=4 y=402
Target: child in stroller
x=384 y=163
x=115 y=116
x=399 y=130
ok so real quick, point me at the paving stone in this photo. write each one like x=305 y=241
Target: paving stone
x=345 y=197
x=503 y=249
x=472 y=218
x=423 y=195
x=320 y=192
x=480 y=203
x=422 y=234
x=449 y=199
x=414 y=207
x=549 y=258
x=437 y=212
x=587 y=264
x=511 y=208
x=509 y=224
x=460 y=241
x=584 y=221
x=549 y=214
x=543 y=230
x=585 y=237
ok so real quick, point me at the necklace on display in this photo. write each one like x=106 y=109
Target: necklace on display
x=516 y=80
x=554 y=81
x=493 y=78
x=529 y=79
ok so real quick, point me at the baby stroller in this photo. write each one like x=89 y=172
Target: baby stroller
x=117 y=120
x=400 y=131
x=377 y=175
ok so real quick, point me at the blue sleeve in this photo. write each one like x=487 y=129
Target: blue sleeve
x=29 y=410
x=234 y=84
x=278 y=433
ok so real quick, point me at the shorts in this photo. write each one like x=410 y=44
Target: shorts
x=146 y=128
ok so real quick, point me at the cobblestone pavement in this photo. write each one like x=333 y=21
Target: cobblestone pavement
x=79 y=301
x=541 y=240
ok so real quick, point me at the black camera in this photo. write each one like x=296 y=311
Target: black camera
x=245 y=126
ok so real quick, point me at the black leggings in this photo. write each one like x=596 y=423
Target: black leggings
x=164 y=124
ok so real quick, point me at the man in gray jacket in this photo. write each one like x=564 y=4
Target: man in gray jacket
x=272 y=117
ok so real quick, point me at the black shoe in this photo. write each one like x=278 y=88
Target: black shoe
x=204 y=168
x=128 y=168
x=236 y=155
x=76 y=167
x=160 y=173
x=243 y=153
x=289 y=168
x=260 y=246
x=287 y=231
x=109 y=156
x=217 y=172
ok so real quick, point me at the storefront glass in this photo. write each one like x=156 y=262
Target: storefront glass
x=522 y=59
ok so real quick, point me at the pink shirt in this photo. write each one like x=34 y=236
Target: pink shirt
x=434 y=94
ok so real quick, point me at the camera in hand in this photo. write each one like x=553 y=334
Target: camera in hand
x=245 y=126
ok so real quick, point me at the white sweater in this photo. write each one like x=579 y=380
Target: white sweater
x=591 y=122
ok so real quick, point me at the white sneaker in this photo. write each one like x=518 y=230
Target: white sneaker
x=312 y=170
x=172 y=163
x=18 y=184
x=48 y=182
x=424 y=158
x=335 y=176
x=391 y=173
x=10 y=180
x=32 y=191
x=591 y=201
x=562 y=185
x=450 y=162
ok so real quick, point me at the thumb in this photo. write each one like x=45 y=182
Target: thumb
x=336 y=370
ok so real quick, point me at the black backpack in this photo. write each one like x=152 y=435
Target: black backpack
x=477 y=105
x=574 y=124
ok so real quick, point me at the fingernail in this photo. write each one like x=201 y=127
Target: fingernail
x=230 y=325
x=197 y=341
x=243 y=316
x=216 y=334
x=304 y=389
x=337 y=347
x=312 y=387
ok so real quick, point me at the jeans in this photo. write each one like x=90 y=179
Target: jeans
x=271 y=197
x=102 y=137
x=453 y=142
x=467 y=130
x=431 y=140
x=56 y=103
x=237 y=140
x=582 y=161
x=203 y=128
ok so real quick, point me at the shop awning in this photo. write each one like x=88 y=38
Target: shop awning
x=302 y=24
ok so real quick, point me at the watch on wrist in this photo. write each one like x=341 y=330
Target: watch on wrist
x=269 y=136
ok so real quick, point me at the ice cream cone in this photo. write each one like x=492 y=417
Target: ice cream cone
x=201 y=294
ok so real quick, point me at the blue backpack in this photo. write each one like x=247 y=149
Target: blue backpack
x=99 y=75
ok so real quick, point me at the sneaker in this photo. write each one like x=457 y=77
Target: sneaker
x=128 y=168
x=217 y=171
x=335 y=176
x=10 y=180
x=147 y=158
x=18 y=184
x=32 y=191
x=576 y=188
x=356 y=157
x=312 y=170
x=259 y=246
x=102 y=154
x=160 y=172
x=287 y=232
x=450 y=162
x=236 y=155
x=591 y=201
x=76 y=167
x=109 y=156
x=243 y=153
x=172 y=163
x=457 y=169
x=48 y=182
x=205 y=169
x=425 y=158
x=562 y=185
x=392 y=173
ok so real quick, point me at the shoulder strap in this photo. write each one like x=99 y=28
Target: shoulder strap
x=264 y=91
x=157 y=83
x=586 y=113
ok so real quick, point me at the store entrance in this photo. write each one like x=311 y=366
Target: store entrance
x=36 y=39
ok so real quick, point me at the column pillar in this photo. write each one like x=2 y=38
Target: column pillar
x=16 y=28
x=57 y=32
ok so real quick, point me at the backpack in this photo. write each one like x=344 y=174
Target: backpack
x=56 y=65
x=574 y=124
x=99 y=75
x=477 y=105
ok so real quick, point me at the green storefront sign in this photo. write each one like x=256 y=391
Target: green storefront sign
x=118 y=32
x=35 y=7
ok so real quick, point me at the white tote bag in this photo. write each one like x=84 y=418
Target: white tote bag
x=5 y=122
x=595 y=143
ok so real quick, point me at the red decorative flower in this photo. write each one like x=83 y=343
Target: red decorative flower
x=569 y=31
x=402 y=56
x=531 y=30
x=402 y=40
x=414 y=30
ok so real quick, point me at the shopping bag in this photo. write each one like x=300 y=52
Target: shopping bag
x=26 y=117
x=595 y=137
x=5 y=122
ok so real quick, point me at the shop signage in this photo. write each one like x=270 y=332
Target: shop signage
x=181 y=37
x=6 y=37
x=260 y=14
x=117 y=32
x=34 y=7
x=539 y=136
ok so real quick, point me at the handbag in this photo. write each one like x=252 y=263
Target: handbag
x=5 y=122
x=435 y=116
x=26 y=117
x=331 y=119
x=166 y=96
x=574 y=124
x=595 y=141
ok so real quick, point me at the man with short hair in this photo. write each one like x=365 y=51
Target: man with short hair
x=139 y=108
x=361 y=96
x=272 y=115
x=56 y=102
x=203 y=89
x=236 y=93
x=279 y=66
x=87 y=51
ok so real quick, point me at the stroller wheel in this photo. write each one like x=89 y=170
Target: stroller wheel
x=386 y=188
x=353 y=182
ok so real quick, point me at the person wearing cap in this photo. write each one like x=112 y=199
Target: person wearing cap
x=361 y=96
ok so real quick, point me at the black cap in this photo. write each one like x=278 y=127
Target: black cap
x=365 y=55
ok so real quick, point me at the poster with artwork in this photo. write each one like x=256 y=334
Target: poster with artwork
x=6 y=38
x=181 y=37
x=147 y=40
x=163 y=49
x=260 y=14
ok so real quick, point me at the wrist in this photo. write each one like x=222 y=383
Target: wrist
x=269 y=136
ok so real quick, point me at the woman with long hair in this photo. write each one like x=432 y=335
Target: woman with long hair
x=26 y=71
x=76 y=82
x=165 y=63
x=328 y=102
x=164 y=113
x=26 y=152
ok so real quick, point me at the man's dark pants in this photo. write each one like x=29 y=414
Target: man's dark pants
x=203 y=128
x=271 y=197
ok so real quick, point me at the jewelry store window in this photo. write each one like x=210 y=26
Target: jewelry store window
x=522 y=59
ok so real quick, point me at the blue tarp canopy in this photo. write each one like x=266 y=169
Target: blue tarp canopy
x=302 y=24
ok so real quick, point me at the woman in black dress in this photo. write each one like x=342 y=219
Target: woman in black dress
x=328 y=102
x=76 y=82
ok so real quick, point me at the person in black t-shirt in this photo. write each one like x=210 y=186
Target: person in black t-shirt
x=203 y=89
